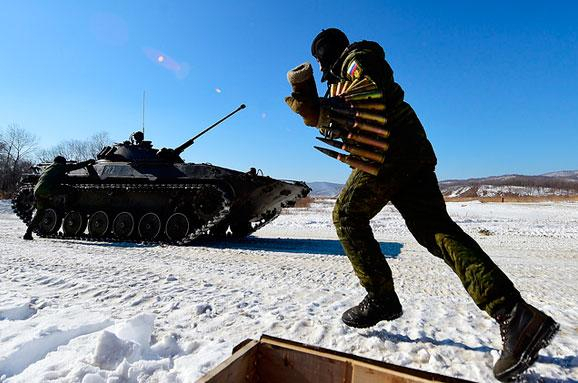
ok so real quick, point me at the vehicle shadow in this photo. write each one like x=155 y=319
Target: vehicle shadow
x=277 y=245
x=110 y=244
x=295 y=245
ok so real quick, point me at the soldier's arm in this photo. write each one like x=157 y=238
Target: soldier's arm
x=78 y=165
x=366 y=64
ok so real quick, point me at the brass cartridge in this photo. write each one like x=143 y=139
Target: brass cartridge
x=353 y=123
x=367 y=167
x=367 y=154
x=371 y=105
x=372 y=95
x=381 y=145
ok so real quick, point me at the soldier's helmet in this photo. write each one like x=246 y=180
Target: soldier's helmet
x=327 y=47
x=60 y=160
x=137 y=137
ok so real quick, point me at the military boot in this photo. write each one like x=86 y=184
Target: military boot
x=372 y=310
x=525 y=330
x=28 y=235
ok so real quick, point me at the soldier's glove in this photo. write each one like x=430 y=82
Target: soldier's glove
x=308 y=108
x=304 y=99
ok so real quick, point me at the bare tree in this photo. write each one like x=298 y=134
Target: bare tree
x=97 y=141
x=17 y=147
x=76 y=150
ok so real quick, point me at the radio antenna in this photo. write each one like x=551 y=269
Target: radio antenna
x=143 y=111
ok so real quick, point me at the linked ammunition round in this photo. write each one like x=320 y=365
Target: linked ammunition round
x=354 y=123
x=354 y=162
x=371 y=95
x=368 y=141
x=368 y=154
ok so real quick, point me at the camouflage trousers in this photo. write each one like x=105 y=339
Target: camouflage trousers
x=42 y=201
x=34 y=223
x=417 y=197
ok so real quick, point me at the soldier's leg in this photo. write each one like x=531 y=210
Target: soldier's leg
x=40 y=204
x=422 y=206
x=524 y=329
x=362 y=197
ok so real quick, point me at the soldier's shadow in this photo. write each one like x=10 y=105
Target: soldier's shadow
x=564 y=362
x=399 y=338
x=300 y=246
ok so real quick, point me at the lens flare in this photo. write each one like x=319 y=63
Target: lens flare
x=180 y=69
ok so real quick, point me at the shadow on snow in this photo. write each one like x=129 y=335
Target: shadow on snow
x=300 y=246
x=565 y=362
x=397 y=338
x=277 y=245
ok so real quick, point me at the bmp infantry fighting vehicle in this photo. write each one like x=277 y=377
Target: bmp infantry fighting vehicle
x=136 y=192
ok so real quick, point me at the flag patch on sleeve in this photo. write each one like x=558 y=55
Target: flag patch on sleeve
x=354 y=70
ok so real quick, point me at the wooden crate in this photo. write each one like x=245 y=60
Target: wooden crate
x=281 y=361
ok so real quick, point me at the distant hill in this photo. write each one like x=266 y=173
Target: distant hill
x=324 y=189
x=564 y=173
x=561 y=183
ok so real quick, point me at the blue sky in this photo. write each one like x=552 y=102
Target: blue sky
x=494 y=83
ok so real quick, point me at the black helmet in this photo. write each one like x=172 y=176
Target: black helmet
x=60 y=160
x=327 y=47
x=137 y=136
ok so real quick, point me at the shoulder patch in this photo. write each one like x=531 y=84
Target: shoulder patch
x=354 y=70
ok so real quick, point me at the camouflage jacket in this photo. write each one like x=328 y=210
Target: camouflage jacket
x=408 y=140
x=53 y=175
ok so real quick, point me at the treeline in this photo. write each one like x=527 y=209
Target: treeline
x=562 y=183
x=76 y=150
x=566 y=184
x=19 y=150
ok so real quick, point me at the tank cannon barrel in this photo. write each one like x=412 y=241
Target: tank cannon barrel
x=179 y=149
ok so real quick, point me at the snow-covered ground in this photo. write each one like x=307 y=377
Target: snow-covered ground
x=73 y=311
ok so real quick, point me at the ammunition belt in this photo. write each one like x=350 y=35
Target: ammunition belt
x=356 y=110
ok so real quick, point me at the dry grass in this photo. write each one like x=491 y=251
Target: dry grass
x=304 y=202
x=4 y=195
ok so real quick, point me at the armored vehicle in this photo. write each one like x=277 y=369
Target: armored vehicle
x=137 y=192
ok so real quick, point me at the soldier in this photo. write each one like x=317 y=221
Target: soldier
x=408 y=180
x=49 y=186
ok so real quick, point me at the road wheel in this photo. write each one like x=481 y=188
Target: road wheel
x=74 y=224
x=123 y=225
x=177 y=227
x=98 y=224
x=149 y=226
x=50 y=222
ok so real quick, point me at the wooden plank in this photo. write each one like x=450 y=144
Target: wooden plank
x=285 y=365
x=283 y=361
x=372 y=374
x=238 y=368
x=363 y=367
